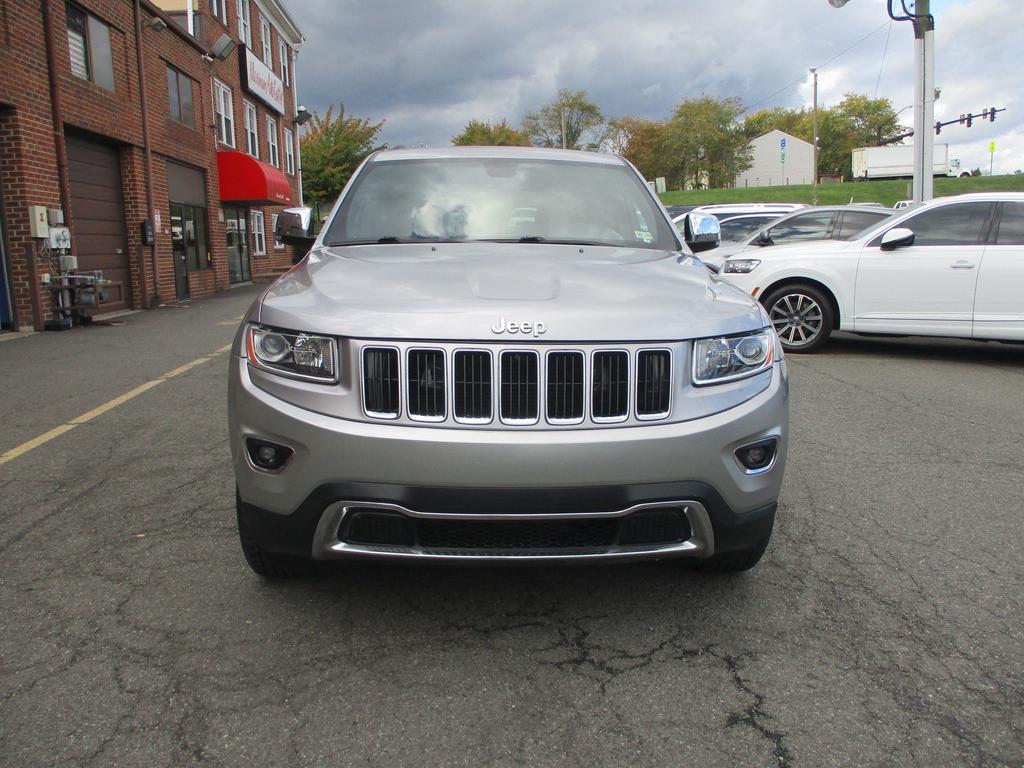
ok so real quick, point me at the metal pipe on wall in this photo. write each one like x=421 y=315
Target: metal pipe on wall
x=147 y=153
x=58 y=124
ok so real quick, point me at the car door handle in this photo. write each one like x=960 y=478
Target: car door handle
x=962 y=265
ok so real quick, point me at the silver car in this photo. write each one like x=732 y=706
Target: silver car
x=504 y=354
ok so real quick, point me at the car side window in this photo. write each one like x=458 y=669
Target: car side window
x=1011 y=225
x=957 y=224
x=854 y=222
x=812 y=226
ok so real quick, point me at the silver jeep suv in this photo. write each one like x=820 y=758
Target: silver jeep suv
x=504 y=354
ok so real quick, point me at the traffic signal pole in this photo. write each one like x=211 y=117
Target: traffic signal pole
x=924 y=102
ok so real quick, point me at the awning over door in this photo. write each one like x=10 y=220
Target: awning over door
x=245 y=180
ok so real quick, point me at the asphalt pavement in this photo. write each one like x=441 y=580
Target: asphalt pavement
x=883 y=627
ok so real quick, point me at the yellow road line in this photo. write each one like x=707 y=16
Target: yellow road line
x=56 y=432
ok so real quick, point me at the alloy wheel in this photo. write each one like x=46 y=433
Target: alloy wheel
x=797 y=319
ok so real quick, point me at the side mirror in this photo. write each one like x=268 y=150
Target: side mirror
x=295 y=227
x=763 y=238
x=897 y=237
x=701 y=232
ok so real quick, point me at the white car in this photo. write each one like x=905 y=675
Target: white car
x=951 y=267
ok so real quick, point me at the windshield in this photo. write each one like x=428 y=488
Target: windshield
x=500 y=199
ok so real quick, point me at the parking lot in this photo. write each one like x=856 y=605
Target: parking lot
x=883 y=627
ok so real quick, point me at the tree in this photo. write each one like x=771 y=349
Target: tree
x=480 y=134
x=795 y=122
x=703 y=145
x=636 y=139
x=332 y=149
x=573 y=112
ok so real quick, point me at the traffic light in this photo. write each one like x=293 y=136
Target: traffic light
x=938 y=127
x=969 y=117
x=992 y=115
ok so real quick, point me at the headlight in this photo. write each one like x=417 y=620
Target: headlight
x=299 y=355
x=740 y=266
x=728 y=358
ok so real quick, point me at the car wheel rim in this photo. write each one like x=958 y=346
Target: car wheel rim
x=797 y=319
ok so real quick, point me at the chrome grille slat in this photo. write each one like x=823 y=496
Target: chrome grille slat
x=519 y=387
x=610 y=397
x=653 y=383
x=565 y=387
x=473 y=386
x=425 y=373
x=381 y=382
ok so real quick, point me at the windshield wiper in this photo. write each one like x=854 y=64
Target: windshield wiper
x=379 y=241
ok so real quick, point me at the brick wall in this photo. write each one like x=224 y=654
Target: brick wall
x=28 y=155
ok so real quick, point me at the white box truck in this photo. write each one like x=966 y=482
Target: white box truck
x=896 y=161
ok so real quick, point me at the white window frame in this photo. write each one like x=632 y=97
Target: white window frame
x=244 y=22
x=252 y=134
x=259 y=235
x=278 y=245
x=265 y=41
x=289 y=152
x=223 y=110
x=284 y=51
x=273 y=150
x=222 y=17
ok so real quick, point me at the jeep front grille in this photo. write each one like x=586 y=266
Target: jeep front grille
x=380 y=382
x=426 y=376
x=516 y=387
x=519 y=384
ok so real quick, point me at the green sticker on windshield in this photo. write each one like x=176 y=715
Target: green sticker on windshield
x=643 y=235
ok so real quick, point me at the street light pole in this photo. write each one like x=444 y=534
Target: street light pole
x=924 y=89
x=814 y=138
x=924 y=102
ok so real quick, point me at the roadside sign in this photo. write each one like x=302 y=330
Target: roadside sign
x=783 y=155
x=782 y=142
x=991 y=147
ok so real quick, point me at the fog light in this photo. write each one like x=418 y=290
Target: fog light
x=757 y=456
x=266 y=455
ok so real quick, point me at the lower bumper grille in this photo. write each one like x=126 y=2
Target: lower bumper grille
x=380 y=528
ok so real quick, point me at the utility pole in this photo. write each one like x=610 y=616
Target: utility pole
x=814 y=138
x=924 y=101
x=561 y=115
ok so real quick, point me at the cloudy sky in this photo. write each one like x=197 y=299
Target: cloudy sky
x=430 y=66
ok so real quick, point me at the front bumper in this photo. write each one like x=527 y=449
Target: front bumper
x=425 y=472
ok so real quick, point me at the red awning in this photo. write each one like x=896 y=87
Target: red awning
x=245 y=180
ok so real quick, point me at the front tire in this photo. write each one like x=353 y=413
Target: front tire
x=802 y=316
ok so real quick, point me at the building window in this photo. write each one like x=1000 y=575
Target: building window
x=219 y=10
x=268 y=56
x=190 y=235
x=259 y=237
x=182 y=12
x=272 y=154
x=179 y=95
x=284 y=53
x=289 y=152
x=244 y=27
x=224 y=112
x=252 y=138
x=89 y=48
x=278 y=245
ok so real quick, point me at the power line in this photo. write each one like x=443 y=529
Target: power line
x=819 y=67
x=885 y=50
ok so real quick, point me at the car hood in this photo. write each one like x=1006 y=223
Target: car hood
x=460 y=291
x=805 y=248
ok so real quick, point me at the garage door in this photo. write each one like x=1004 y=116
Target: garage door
x=98 y=212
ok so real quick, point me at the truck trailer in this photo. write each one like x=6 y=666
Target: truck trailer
x=896 y=161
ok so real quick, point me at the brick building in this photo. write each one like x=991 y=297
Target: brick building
x=119 y=113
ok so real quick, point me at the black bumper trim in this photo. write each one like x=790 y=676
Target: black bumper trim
x=293 y=533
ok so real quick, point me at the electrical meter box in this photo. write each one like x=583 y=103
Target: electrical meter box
x=39 y=222
x=60 y=237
